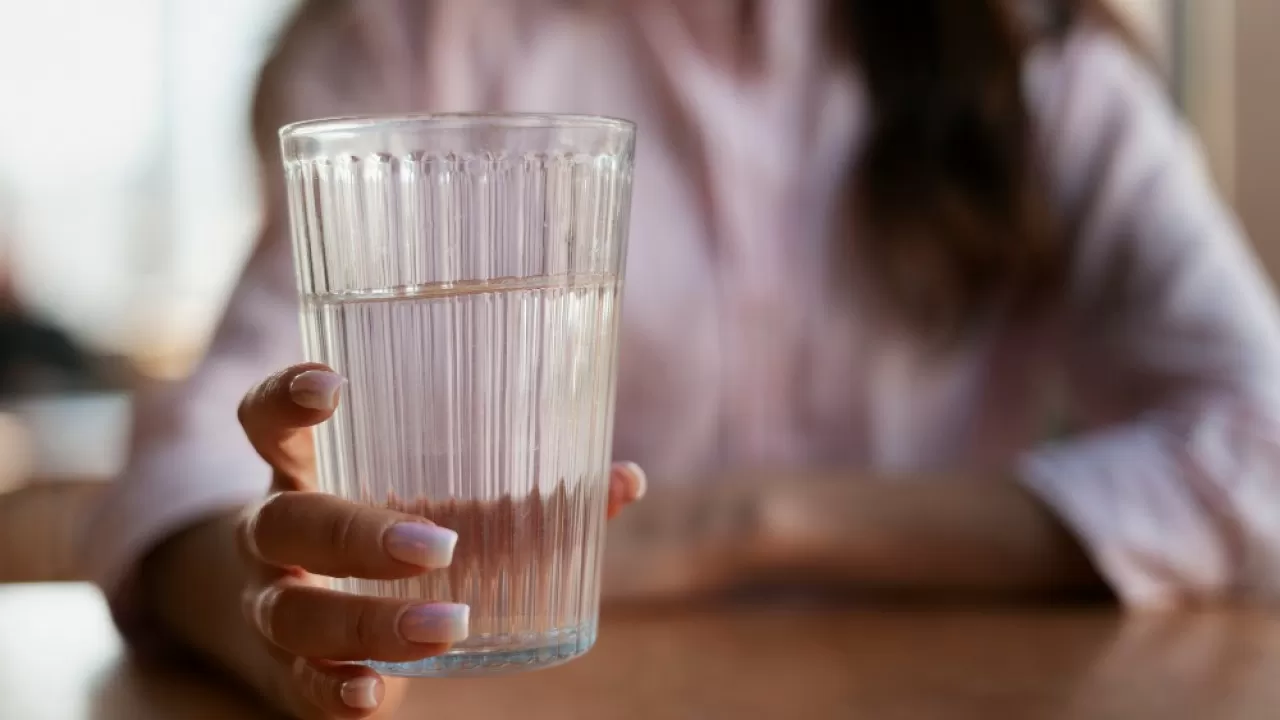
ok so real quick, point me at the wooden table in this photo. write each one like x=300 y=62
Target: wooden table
x=59 y=658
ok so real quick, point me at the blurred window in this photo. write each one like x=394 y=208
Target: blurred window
x=126 y=171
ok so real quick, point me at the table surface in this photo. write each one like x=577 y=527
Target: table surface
x=60 y=658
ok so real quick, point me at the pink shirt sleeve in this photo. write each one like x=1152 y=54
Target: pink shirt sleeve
x=1175 y=347
x=189 y=458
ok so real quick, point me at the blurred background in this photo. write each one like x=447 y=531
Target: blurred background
x=127 y=204
x=128 y=196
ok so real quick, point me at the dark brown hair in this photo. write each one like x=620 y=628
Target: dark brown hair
x=949 y=209
x=948 y=206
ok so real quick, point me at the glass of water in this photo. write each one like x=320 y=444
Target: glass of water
x=463 y=272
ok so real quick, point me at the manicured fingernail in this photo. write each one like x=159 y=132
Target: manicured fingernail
x=436 y=623
x=637 y=482
x=361 y=693
x=430 y=546
x=316 y=389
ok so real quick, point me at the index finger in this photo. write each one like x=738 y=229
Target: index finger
x=277 y=413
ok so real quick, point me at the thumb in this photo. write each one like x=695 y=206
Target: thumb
x=278 y=412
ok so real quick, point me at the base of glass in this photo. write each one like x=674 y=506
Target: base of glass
x=498 y=655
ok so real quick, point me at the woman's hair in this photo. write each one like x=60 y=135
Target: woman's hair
x=948 y=207
x=946 y=198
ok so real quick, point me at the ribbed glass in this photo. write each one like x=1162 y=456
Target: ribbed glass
x=463 y=273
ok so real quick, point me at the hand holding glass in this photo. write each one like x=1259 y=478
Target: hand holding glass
x=463 y=273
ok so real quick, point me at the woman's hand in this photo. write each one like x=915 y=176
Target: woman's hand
x=307 y=634
x=686 y=543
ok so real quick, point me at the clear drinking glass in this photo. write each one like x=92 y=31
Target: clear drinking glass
x=463 y=272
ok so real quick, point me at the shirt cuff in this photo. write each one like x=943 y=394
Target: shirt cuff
x=1138 y=508
x=140 y=511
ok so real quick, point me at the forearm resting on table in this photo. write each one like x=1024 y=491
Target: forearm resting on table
x=951 y=536
x=944 y=536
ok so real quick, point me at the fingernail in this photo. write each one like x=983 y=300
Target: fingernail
x=638 y=483
x=316 y=389
x=436 y=623
x=360 y=693
x=429 y=546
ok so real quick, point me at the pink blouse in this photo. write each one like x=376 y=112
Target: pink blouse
x=737 y=347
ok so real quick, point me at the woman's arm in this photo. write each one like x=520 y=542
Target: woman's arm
x=936 y=537
x=1172 y=355
x=1173 y=348
x=193 y=582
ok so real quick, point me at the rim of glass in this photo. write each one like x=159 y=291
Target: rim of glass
x=346 y=125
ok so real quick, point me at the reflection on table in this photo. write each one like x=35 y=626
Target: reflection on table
x=59 y=658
